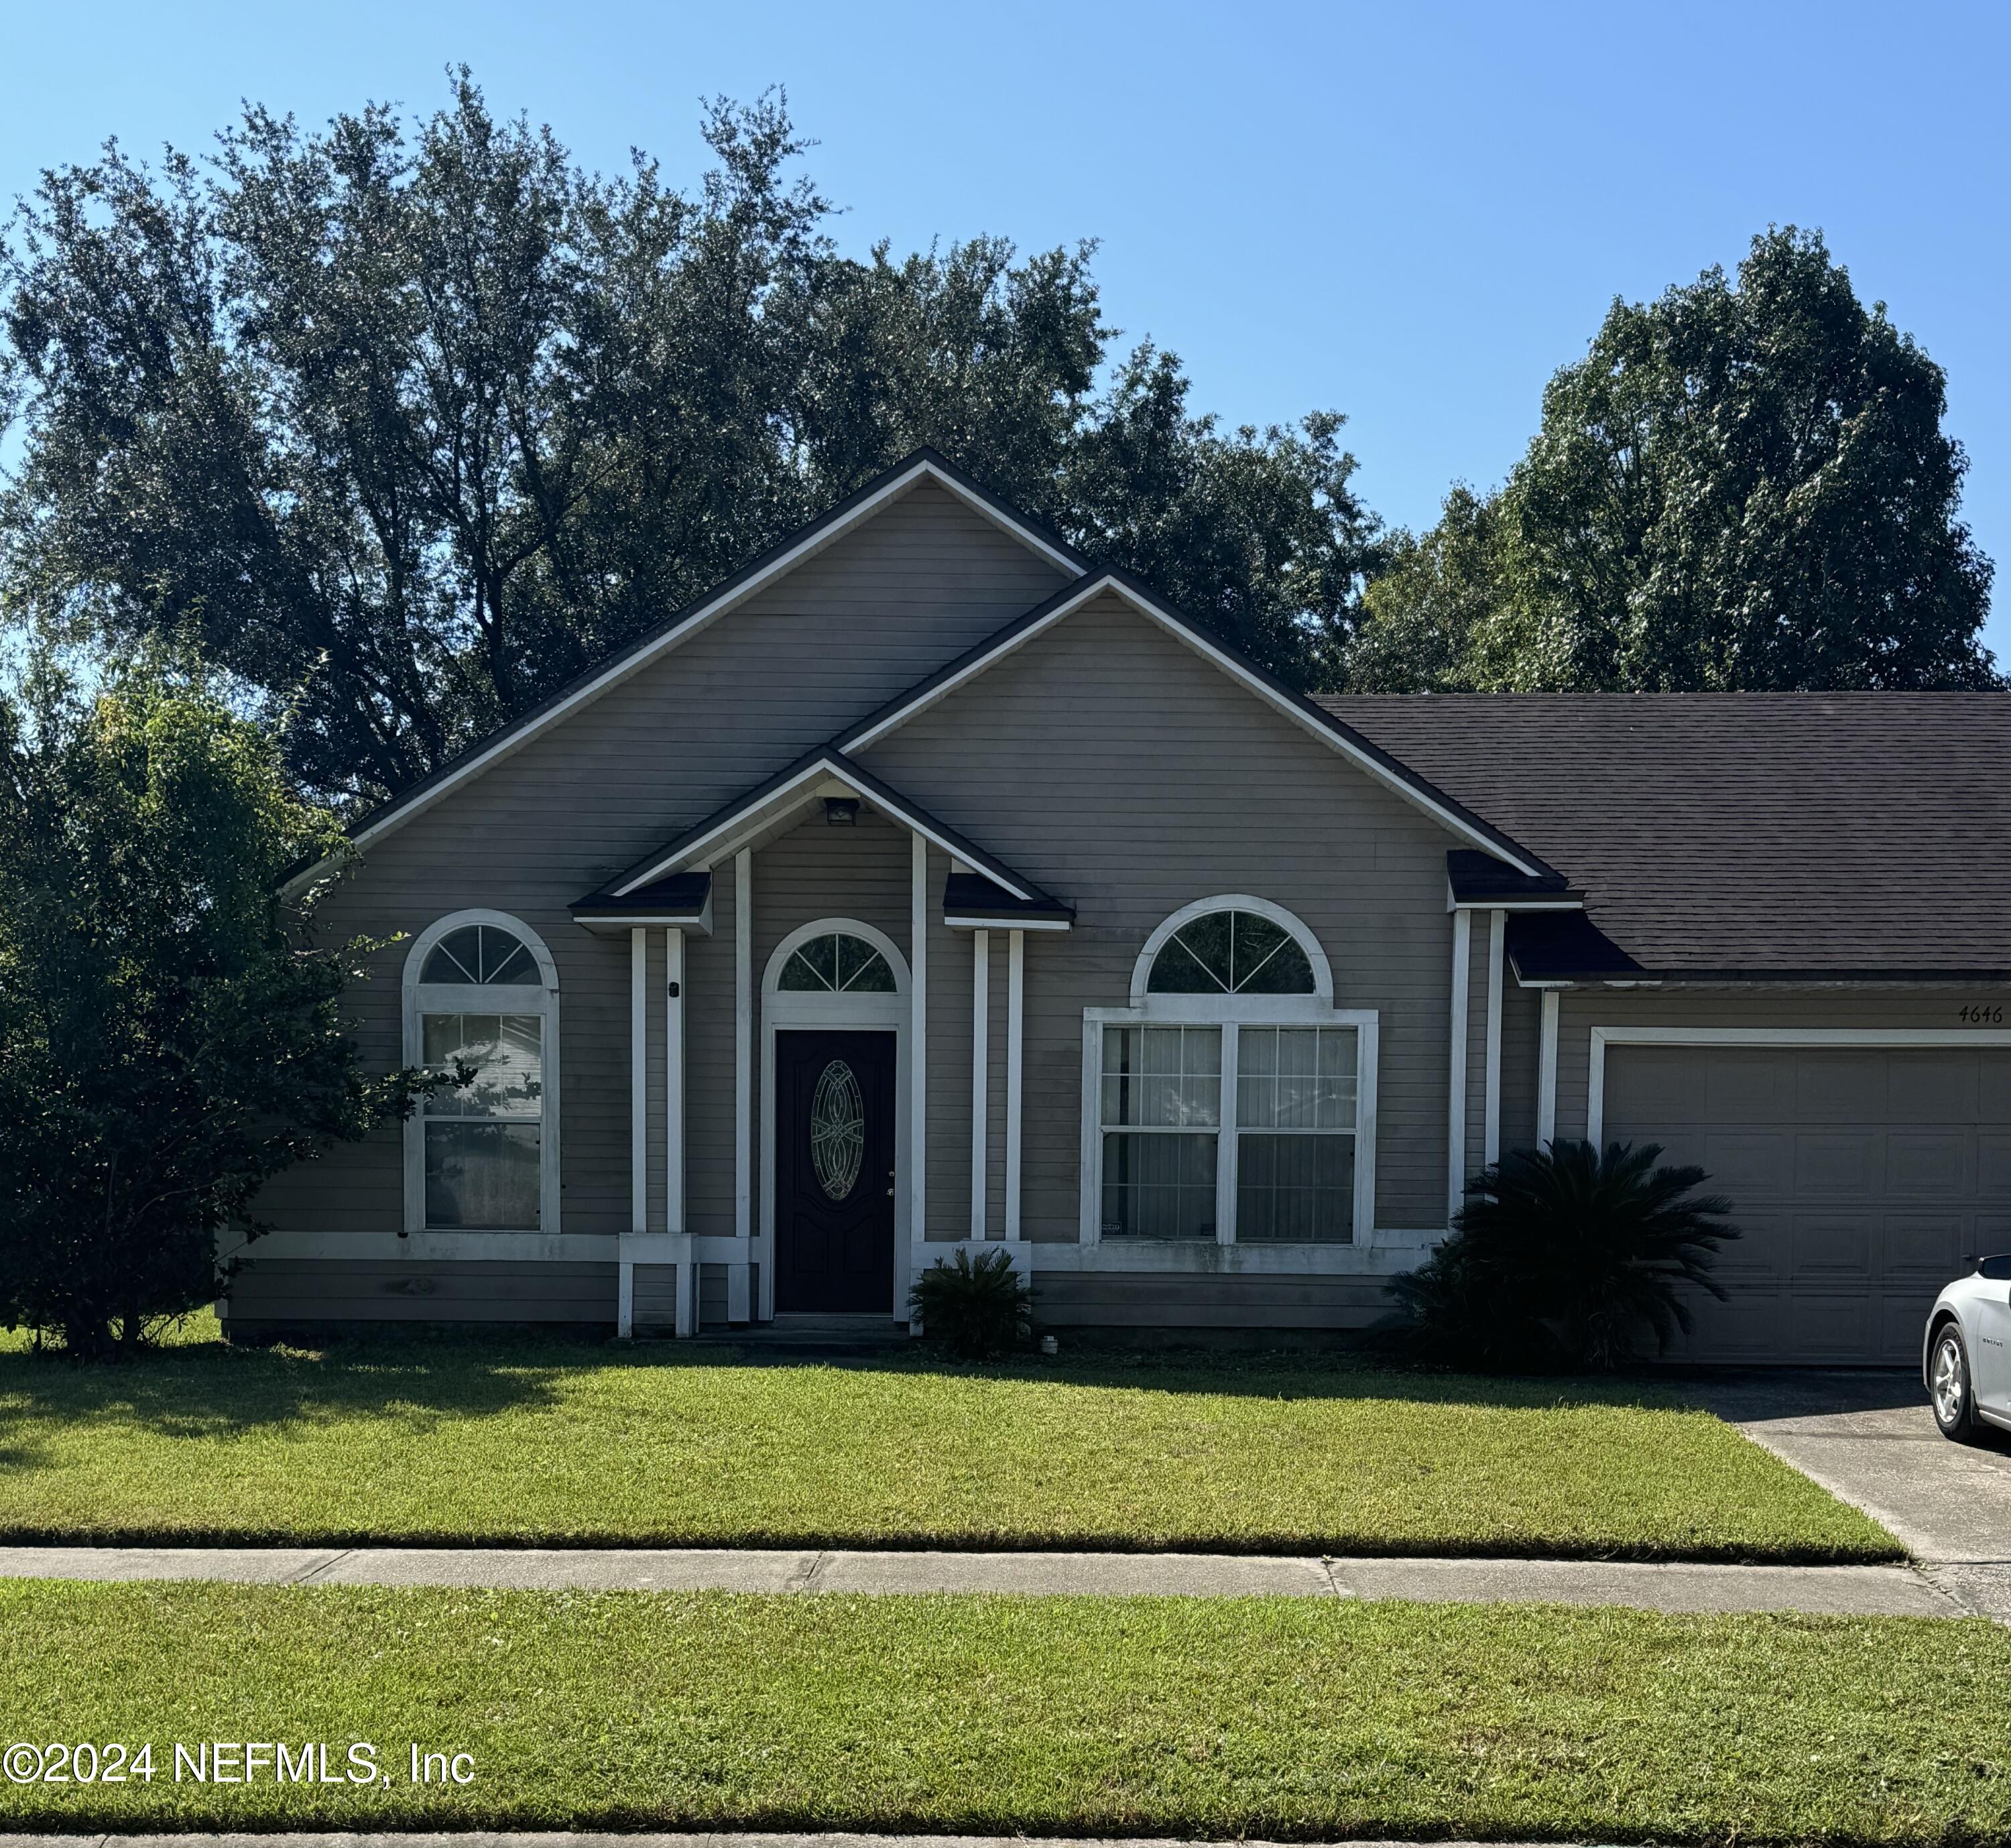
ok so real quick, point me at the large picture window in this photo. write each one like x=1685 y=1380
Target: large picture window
x=481 y=996
x=1232 y=1101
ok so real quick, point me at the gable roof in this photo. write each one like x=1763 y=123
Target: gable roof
x=794 y=788
x=1327 y=727
x=923 y=464
x=1744 y=836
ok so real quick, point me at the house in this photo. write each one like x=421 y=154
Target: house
x=924 y=885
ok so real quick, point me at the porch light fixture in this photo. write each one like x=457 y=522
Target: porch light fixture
x=841 y=811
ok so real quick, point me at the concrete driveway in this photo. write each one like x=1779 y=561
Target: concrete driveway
x=1868 y=1437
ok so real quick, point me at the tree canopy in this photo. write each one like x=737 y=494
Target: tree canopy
x=1743 y=486
x=403 y=425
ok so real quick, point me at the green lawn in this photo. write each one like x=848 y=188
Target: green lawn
x=502 y=1442
x=1277 y=1716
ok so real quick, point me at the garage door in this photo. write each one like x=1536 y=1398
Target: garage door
x=1860 y=1177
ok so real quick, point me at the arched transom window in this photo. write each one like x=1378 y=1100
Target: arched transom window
x=481 y=997
x=1233 y=1101
x=837 y=962
x=1231 y=952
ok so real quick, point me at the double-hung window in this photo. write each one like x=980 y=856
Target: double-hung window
x=481 y=1157
x=1232 y=1101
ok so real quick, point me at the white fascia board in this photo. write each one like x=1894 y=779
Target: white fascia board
x=807 y=786
x=1227 y=664
x=802 y=789
x=958 y=920
x=699 y=620
x=1516 y=905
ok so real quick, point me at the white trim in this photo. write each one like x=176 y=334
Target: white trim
x=1462 y=958
x=674 y=1081
x=1141 y=969
x=743 y=1058
x=1490 y=1146
x=1016 y=1027
x=808 y=785
x=1318 y=727
x=625 y=1300
x=980 y=1076
x=1546 y=1071
x=417 y=998
x=1515 y=905
x=918 y=1068
x=699 y=620
x=960 y=920
x=675 y=1223
x=1810 y=1037
x=1366 y=1021
x=639 y=1080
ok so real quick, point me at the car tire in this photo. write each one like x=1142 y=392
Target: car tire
x=1952 y=1386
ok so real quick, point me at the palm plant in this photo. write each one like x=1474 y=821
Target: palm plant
x=1562 y=1256
x=980 y=1311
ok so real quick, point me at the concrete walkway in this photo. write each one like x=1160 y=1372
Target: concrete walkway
x=1870 y=1590
x=1868 y=1437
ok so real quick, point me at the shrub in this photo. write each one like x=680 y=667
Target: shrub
x=980 y=1310
x=1560 y=1257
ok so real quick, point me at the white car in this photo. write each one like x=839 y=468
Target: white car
x=1967 y=1363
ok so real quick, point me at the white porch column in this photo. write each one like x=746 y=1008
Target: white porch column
x=1016 y=985
x=980 y=1072
x=737 y=1273
x=1462 y=952
x=638 y=1122
x=918 y=1059
x=1491 y=1127
x=1546 y=1072
x=674 y=1222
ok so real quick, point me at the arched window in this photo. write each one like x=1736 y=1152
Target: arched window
x=837 y=962
x=1233 y=1101
x=482 y=996
x=1231 y=952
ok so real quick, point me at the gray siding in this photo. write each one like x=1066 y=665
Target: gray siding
x=1111 y=763
x=1522 y=1033
x=875 y=611
x=284 y=1291
x=1102 y=1300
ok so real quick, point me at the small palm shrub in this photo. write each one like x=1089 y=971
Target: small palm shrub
x=979 y=1309
x=1562 y=1257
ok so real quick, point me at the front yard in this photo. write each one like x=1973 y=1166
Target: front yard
x=523 y=1441
x=1188 y=1716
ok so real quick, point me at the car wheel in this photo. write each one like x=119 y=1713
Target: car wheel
x=1950 y=1387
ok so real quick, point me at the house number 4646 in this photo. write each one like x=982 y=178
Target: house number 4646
x=1981 y=1013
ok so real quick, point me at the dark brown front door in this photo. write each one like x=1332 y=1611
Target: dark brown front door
x=834 y=1172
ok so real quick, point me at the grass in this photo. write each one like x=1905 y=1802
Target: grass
x=541 y=1442
x=1218 y=1718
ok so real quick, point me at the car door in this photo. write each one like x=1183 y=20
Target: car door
x=1989 y=1318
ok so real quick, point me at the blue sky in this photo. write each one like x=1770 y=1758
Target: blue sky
x=1412 y=213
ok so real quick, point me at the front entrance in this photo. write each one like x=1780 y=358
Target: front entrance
x=834 y=1172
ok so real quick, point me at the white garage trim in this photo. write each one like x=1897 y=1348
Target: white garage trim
x=1603 y=1036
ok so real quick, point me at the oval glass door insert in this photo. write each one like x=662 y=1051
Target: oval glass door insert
x=837 y=1129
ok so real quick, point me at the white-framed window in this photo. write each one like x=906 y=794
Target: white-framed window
x=481 y=990
x=1232 y=1101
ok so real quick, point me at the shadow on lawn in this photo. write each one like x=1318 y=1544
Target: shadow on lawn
x=209 y=1390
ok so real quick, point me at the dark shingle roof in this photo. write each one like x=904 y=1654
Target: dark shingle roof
x=1746 y=833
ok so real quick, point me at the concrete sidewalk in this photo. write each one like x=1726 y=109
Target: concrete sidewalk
x=1861 y=1590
